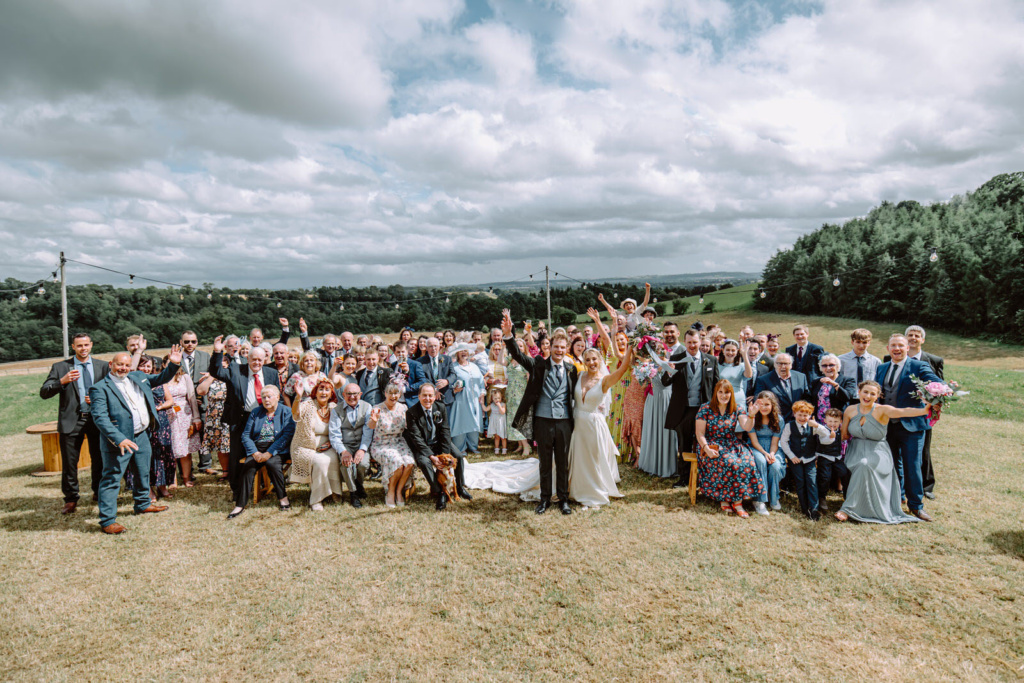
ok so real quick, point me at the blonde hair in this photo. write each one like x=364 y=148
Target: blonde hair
x=310 y=354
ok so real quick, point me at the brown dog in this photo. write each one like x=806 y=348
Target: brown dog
x=446 y=475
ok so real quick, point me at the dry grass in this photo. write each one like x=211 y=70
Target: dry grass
x=649 y=589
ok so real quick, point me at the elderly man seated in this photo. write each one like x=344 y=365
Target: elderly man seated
x=267 y=439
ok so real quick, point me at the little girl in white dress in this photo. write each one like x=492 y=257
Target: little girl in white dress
x=497 y=423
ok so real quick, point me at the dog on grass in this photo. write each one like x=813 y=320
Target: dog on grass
x=445 y=472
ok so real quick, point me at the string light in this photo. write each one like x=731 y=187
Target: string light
x=341 y=307
x=131 y=279
x=836 y=283
x=210 y=297
x=397 y=306
x=447 y=300
x=655 y=299
x=41 y=290
x=935 y=256
x=701 y=299
x=22 y=298
x=279 y=304
x=55 y=278
x=763 y=294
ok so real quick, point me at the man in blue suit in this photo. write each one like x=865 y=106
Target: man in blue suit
x=806 y=355
x=123 y=409
x=906 y=435
x=413 y=372
x=438 y=370
x=788 y=386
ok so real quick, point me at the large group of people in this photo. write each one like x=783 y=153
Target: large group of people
x=336 y=413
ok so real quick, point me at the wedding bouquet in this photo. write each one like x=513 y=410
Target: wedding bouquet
x=646 y=371
x=645 y=333
x=937 y=395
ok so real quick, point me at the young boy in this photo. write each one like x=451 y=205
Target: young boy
x=829 y=459
x=800 y=441
x=858 y=363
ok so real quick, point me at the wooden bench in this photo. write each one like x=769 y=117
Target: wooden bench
x=52 y=462
x=694 y=465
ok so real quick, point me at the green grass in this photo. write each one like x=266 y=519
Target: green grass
x=732 y=299
x=20 y=405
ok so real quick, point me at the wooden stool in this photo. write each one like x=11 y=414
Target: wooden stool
x=261 y=485
x=694 y=466
x=52 y=464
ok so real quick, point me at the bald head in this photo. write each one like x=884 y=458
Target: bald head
x=121 y=364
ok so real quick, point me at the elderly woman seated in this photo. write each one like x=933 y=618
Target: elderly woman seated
x=267 y=439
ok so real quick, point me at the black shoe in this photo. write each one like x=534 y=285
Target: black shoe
x=681 y=483
x=463 y=493
x=354 y=500
x=564 y=507
x=442 y=501
x=232 y=515
x=361 y=492
x=284 y=508
x=814 y=515
x=542 y=507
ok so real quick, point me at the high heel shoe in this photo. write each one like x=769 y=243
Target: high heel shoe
x=738 y=509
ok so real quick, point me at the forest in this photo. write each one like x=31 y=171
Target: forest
x=32 y=329
x=956 y=265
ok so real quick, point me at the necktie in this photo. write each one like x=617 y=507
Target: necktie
x=258 y=385
x=891 y=377
x=188 y=365
x=434 y=364
x=860 y=370
x=430 y=425
x=799 y=355
x=87 y=376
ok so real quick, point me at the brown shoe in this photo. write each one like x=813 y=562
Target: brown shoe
x=922 y=515
x=152 y=508
x=68 y=508
x=114 y=528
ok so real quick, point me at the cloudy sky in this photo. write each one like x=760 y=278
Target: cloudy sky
x=454 y=141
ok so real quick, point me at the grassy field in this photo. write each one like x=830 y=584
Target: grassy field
x=647 y=589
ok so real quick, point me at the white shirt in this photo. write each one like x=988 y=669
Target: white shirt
x=250 y=393
x=136 y=402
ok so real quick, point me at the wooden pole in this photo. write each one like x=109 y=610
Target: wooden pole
x=64 y=303
x=547 y=284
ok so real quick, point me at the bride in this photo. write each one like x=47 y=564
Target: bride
x=593 y=471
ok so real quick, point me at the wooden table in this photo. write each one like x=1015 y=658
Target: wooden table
x=51 y=450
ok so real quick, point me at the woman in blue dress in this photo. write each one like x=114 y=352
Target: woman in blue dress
x=469 y=389
x=734 y=366
x=659 y=445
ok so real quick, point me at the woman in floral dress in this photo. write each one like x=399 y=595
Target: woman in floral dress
x=216 y=434
x=310 y=374
x=389 y=447
x=728 y=472
x=186 y=424
x=517 y=377
x=162 y=466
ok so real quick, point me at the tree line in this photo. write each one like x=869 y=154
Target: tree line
x=956 y=265
x=109 y=314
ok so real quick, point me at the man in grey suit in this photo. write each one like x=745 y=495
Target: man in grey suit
x=196 y=362
x=350 y=436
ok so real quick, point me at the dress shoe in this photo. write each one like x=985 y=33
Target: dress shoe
x=232 y=515
x=68 y=508
x=317 y=507
x=354 y=501
x=284 y=507
x=542 y=507
x=442 y=501
x=922 y=515
x=152 y=508
x=929 y=495
x=681 y=483
x=564 y=507
x=114 y=528
x=361 y=492
x=463 y=493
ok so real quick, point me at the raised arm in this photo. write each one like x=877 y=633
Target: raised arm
x=510 y=342
x=647 y=296
x=608 y=307
x=608 y=381
x=596 y=317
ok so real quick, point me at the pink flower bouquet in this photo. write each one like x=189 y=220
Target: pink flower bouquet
x=937 y=395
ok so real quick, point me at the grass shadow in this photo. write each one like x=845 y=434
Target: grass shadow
x=1008 y=542
x=25 y=470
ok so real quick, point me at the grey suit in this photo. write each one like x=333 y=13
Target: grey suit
x=351 y=435
x=200 y=364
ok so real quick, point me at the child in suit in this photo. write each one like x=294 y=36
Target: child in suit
x=830 y=459
x=800 y=441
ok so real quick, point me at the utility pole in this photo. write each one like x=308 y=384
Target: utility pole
x=547 y=285
x=64 y=303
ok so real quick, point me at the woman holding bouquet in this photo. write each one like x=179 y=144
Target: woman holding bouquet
x=658 y=450
x=874 y=491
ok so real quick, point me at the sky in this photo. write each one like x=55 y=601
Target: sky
x=316 y=142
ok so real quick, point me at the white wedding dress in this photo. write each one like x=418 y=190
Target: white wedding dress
x=593 y=467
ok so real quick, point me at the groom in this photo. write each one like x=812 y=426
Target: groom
x=549 y=395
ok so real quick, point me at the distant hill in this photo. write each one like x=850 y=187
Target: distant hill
x=677 y=281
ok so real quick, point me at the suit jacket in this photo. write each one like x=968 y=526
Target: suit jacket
x=759 y=370
x=346 y=435
x=905 y=391
x=325 y=361
x=69 y=406
x=414 y=381
x=200 y=365
x=765 y=361
x=417 y=433
x=378 y=376
x=938 y=363
x=110 y=410
x=236 y=377
x=799 y=390
x=444 y=371
x=808 y=365
x=679 y=381
x=292 y=369
x=284 y=430
x=538 y=368
x=837 y=398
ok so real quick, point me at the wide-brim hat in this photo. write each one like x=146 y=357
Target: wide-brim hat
x=628 y=301
x=454 y=349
